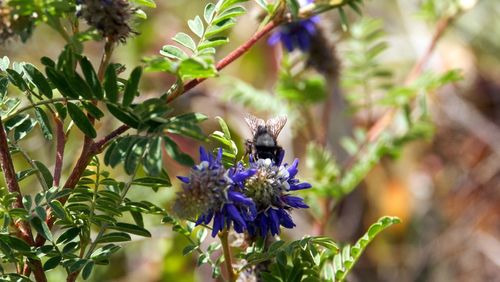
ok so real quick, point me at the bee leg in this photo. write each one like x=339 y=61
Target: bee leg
x=278 y=157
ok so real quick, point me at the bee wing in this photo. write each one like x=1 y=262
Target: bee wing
x=275 y=125
x=254 y=122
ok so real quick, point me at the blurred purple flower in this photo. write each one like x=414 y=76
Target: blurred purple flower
x=213 y=192
x=296 y=34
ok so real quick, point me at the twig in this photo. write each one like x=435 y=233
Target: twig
x=60 y=143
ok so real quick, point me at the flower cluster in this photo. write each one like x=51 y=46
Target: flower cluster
x=269 y=188
x=254 y=199
x=212 y=192
x=297 y=33
x=110 y=17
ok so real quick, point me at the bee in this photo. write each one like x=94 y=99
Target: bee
x=264 y=144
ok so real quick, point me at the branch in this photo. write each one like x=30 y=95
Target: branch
x=22 y=226
x=60 y=143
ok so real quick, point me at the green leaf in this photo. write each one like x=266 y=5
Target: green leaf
x=153 y=161
x=41 y=227
x=47 y=176
x=21 y=175
x=173 y=52
x=58 y=210
x=81 y=120
x=159 y=64
x=68 y=235
x=123 y=116
x=131 y=228
x=15 y=121
x=152 y=182
x=344 y=262
x=174 y=151
x=209 y=12
x=213 y=42
x=294 y=7
x=110 y=84
x=15 y=243
x=4 y=63
x=146 y=3
x=220 y=27
x=132 y=86
x=24 y=129
x=39 y=80
x=195 y=68
x=91 y=77
x=119 y=151
x=48 y=62
x=87 y=269
x=16 y=79
x=229 y=13
x=52 y=263
x=344 y=22
x=77 y=265
x=93 y=110
x=114 y=237
x=134 y=156
x=185 y=40
x=4 y=82
x=44 y=123
x=60 y=82
x=196 y=27
x=79 y=85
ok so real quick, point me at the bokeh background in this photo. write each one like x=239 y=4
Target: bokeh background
x=446 y=190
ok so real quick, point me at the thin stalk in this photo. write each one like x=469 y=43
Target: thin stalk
x=223 y=236
x=60 y=145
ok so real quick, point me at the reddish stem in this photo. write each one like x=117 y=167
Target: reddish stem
x=60 y=143
x=22 y=226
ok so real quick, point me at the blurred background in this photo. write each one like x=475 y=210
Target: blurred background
x=445 y=189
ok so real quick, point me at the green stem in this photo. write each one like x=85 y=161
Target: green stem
x=223 y=235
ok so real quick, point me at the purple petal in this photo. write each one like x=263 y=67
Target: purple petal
x=219 y=155
x=287 y=41
x=294 y=202
x=184 y=179
x=274 y=222
x=285 y=219
x=218 y=223
x=243 y=175
x=274 y=38
x=233 y=212
x=303 y=40
x=292 y=169
x=301 y=186
x=203 y=155
x=239 y=198
x=263 y=225
x=309 y=27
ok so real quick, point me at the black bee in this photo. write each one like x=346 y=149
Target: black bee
x=264 y=144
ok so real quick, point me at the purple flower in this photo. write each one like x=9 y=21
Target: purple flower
x=269 y=188
x=212 y=192
x=296 y=34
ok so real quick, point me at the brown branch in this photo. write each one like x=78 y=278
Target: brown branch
x=60 y=143
x=22 y=227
